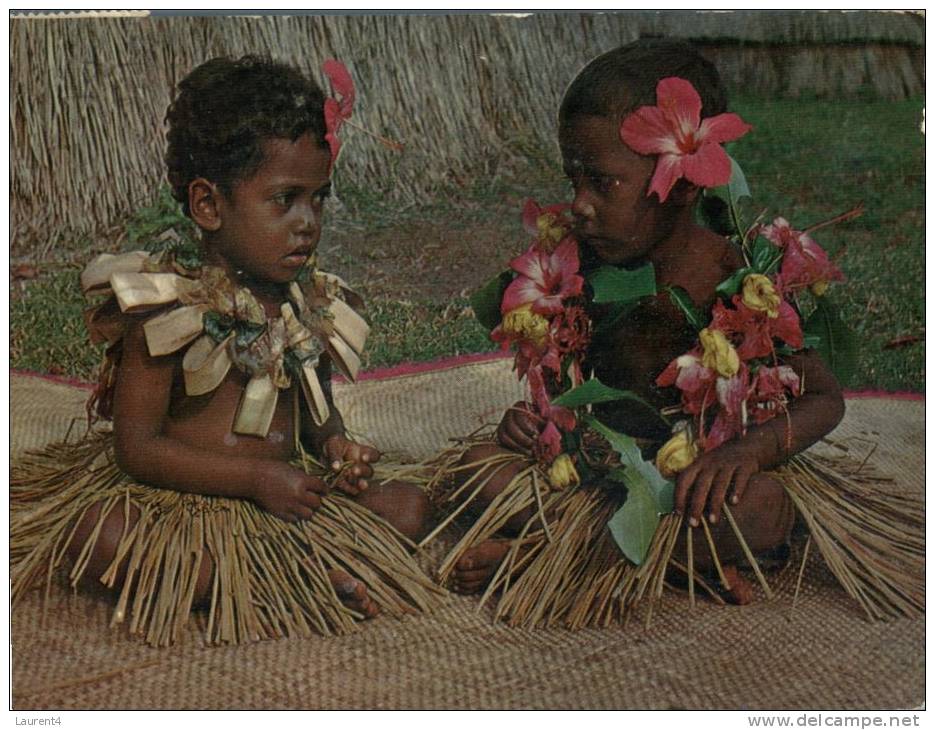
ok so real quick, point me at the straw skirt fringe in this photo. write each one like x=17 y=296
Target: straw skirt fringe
x=563 y=568
x=270 y=578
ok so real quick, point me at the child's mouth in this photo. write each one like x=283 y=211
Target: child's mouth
x=297 y=258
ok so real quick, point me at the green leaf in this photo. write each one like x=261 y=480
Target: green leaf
x=731 y=285
x=634 y=524
x=218 y=326
x=486 y=301
x=624 y=445
x=594 y=391
x=611 y=284
x=247 y=332
x=837 y=344
x=684 y=302
x=737 y=187
x=764 y=255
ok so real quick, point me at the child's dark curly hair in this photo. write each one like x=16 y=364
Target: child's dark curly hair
x=226 y=109
x=618 y=82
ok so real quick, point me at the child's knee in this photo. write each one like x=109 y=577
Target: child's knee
x=493 y=476
x=118 y=521
x=403 y=505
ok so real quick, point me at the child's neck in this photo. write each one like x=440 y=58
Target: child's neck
x=687 y=250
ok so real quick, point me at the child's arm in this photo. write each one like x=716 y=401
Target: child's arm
x=141 y=406
x=703 y=486
x=345 y=457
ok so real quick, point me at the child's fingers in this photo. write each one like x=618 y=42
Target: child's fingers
x=718 y=492
x=700 y=490
x=682 y=485
x=334 y=450
x=741 y=481
x=363 y=453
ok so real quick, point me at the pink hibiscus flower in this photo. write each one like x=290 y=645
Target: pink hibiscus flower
x=337 y=110
x=757 y=329
x=545 y=279
x=687 y=146
x=804 y=262
x=694 y=380
x=731 y=418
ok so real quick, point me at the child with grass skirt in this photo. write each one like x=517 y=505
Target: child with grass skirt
x=644 y=335
x=228 y=481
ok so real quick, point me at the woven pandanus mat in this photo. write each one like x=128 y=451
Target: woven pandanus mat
x=819 y=653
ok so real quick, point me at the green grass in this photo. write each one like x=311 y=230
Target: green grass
x=806 y=160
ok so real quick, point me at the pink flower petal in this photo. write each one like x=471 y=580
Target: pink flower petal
x=531 y=212
x=530 y=265
x=709 y=167
x=551 y=304
x=342 y=83
x=680 y=103
x=647 y=132
x=668 y=170
x=520 y=291
x=722 y=128
x=787 y=326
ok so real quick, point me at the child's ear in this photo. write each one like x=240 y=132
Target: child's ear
x=203 y=199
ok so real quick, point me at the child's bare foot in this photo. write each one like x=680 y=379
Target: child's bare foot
x=741 y=590
x=353 y=593
x=478 y=565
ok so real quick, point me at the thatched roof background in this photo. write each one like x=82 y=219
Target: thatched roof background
x=465 y=93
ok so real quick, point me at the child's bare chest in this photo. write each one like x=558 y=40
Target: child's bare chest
x=206 y=421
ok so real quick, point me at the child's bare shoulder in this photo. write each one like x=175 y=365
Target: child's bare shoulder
x=705 y=262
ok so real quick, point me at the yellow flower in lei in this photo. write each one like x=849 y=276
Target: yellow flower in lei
x=819 y=288
x=551 y=231
x=760 y=295
x=718 y=353
x=522 y=322
x=676 y=454
x=562 y=473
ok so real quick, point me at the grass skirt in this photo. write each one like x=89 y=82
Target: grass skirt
x=564 y=569
x=270 y=577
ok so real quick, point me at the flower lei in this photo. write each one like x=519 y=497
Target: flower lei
x=221 y=325
x=732 y=377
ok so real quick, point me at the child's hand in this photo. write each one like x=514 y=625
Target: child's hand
x=519 y=428
x=351 y=461
x=288 y=493
x=701 y=488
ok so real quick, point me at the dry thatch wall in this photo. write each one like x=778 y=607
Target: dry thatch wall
x=463 y=92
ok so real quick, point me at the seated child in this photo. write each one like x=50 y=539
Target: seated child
x=635 y=198
x=220 y=365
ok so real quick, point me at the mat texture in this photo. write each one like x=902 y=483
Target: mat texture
x=821 y=653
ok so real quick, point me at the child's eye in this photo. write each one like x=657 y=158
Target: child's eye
x=284 y=199
x=323 y=194
x=603 y=183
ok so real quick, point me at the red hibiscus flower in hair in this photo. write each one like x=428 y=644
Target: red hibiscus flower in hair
x=687 y=146
x=804 y=262
x=337 y=110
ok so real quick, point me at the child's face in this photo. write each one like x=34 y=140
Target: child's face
x=614 y=217
x=271 y=222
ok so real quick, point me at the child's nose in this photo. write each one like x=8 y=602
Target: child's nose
x=582 y=207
